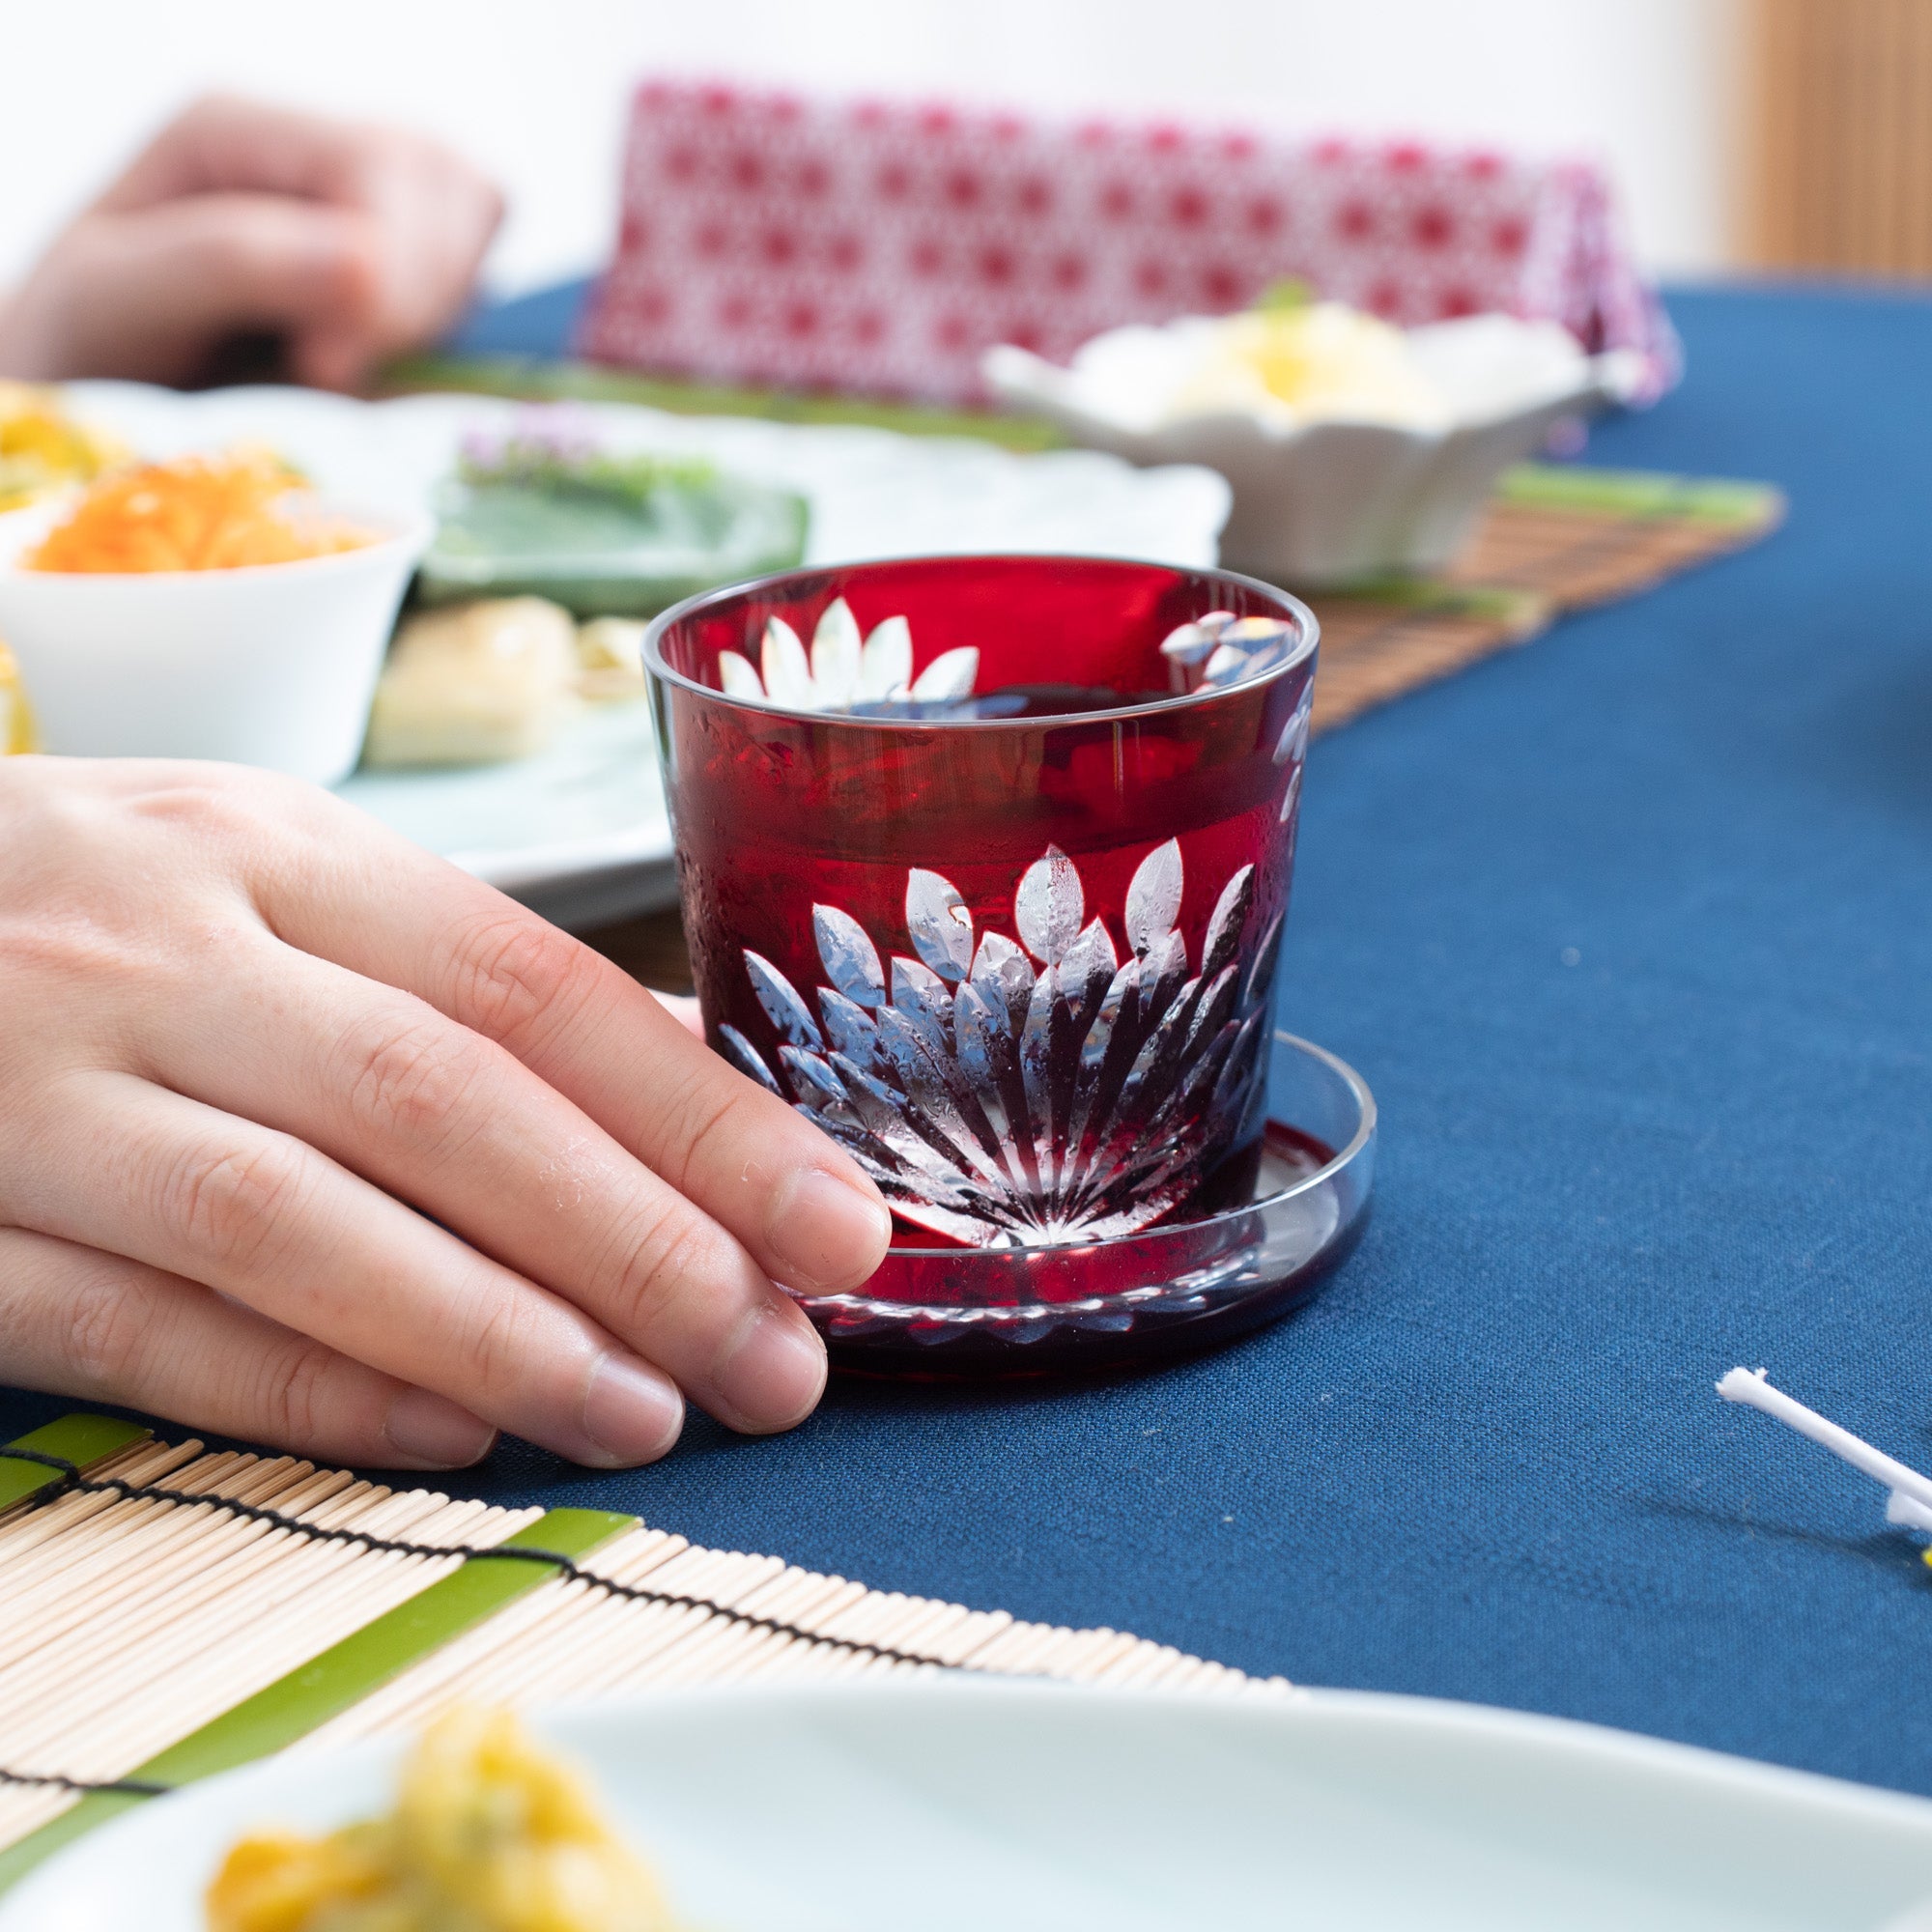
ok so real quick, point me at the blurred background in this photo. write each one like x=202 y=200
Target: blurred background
x=1745 y=133
x=1677 y=96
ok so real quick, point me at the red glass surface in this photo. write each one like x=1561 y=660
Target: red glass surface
x=1096 y=1121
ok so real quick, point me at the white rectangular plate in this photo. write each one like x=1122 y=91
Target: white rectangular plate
x=580 y=831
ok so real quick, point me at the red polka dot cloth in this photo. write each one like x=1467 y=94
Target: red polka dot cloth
x=880 y=249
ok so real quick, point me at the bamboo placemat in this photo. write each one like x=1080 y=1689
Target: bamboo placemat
x=147 y=1640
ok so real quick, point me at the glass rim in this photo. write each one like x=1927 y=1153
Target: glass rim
x=1343 y=1158
x=1307 y=625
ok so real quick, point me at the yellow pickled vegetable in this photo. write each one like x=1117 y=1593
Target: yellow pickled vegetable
x=490 y=1833
x=42 y=448
x=1316 y=362
x=16 y=722
x=471 y=684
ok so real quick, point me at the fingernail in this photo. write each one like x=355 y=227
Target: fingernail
x=424 y=1431
x=771 y=1372
x=824 y=1233
x=631 y=1413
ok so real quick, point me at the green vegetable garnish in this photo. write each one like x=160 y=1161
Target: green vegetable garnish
x=544 y=511
x=533 y=463
x=1284 y=296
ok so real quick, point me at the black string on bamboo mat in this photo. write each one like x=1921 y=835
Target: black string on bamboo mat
x=73 y=1480
x=87 y=1787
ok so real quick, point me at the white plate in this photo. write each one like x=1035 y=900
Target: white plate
x=581 y=833
x=976 y=1804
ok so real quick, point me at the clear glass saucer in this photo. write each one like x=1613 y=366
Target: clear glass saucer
x=1300 y=1202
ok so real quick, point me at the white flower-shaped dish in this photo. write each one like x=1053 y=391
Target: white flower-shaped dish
x=1327 y=502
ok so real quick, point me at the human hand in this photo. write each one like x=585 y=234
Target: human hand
x=308 y=1138
x=349 y=241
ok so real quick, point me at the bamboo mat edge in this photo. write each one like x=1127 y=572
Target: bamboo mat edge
x=125 y=1585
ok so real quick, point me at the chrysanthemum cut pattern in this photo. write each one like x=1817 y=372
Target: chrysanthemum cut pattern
x=1024 y=1093
x=843 y=672
x=1212 y=651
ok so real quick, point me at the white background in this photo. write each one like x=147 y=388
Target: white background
x=536 y=91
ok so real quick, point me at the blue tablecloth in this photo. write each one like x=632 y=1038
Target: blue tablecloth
x=1632 y=933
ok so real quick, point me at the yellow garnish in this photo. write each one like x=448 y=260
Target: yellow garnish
x=490 y=1833
x=1324 y=354
x=1316 y=362
x=196 y=512
x=42 y=448
x=280 y=1882
x=16 y=722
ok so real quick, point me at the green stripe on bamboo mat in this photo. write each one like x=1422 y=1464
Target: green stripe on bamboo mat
x=1640 y=492
x=1517 y=612
x=341 y=1676
x=527 y=378
x=79 y=1440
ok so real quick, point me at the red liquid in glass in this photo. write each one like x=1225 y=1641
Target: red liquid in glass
x=1012 y=700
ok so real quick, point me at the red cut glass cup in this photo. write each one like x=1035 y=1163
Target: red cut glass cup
x=1008 y=931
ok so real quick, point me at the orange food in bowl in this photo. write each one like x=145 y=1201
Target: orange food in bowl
x=195 y=513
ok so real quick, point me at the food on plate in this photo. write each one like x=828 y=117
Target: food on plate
x=43 y=449
x=16 y=722
x=610 y=660
x=475 y=683
x=490 y=1833
x=1289 y=363
x=491 y=680
x=194 y=513
x=547 y=510
x=1304 y=363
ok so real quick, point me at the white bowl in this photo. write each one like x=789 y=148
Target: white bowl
x=1329 y=501
x=268 y=665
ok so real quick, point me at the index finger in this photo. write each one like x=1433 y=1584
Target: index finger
x=223 y=143
x=367 y=899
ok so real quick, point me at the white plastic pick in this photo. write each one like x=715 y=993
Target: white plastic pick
x=1910 y=1501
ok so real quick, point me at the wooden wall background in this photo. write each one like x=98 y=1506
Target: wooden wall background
x=1838 y=171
